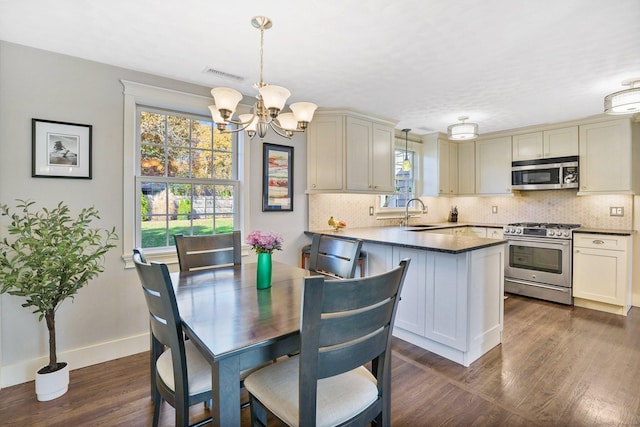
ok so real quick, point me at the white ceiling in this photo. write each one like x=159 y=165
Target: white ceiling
x=423 y=63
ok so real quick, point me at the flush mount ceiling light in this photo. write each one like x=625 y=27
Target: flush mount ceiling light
x=463 y=130
x=625 y=101
x=406 y=164
x=267 y=111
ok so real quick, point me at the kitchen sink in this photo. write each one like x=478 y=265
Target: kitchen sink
x=419 y=227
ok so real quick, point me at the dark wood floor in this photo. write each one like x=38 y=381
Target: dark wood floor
x=557 y=366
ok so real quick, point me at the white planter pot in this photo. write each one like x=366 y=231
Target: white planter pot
x=52 y=385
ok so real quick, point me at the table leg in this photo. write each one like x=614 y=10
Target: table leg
x=226 y=392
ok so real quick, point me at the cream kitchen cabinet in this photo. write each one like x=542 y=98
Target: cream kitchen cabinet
x=349 y=152
x=546 y=144
x=325 y=153
x=610 y=157
x=370 y=155
x=470 y=231
x=440 y=166
x=493 y=166
x=466 y=168
x=601 y=272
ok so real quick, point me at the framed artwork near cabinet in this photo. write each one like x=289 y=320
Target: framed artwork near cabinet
x=277 y=178
x=60 y=149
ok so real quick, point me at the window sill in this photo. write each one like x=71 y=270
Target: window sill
x=165 y=256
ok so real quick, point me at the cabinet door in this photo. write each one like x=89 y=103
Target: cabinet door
x=359 y=155
x=527 y=146
x=325 y=153
x=453 y=168
x=382 y=168
x=605 y=157
x=411 y=309
x=600 y=275
x=444 y=185
x=466 y=168
x=561 y=142
x=493 y=166
x=446 y=299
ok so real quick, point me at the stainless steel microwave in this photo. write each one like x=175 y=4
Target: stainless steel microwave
x=545 y=174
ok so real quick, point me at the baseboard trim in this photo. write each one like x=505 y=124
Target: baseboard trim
x=25 y=371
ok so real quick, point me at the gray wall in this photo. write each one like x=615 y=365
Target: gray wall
x=107 y=319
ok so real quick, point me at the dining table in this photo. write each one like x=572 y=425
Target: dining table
x=237 y=326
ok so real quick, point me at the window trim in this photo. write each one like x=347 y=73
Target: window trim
x=416 y=148
x=168 y=99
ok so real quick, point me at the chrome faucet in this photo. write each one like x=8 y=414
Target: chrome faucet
x=406 y=209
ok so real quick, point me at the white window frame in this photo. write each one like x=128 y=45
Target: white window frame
x=168 y=99
x=416 y=149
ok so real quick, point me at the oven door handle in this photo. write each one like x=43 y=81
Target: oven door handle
x=522 y=282
x=516 y=240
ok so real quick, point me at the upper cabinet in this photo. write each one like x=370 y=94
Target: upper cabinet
x=349 y=152
x=546 y=144
x=466 y=168
x=440 y=166
x=325 y=153
x=493 y=166
x=609 y=158
x=369 y=156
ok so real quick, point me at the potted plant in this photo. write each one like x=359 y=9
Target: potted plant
x=49 y=258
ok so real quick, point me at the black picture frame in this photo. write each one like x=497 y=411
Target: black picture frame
x=277 y=178
x=60 y=149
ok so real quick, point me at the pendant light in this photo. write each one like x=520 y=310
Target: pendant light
x=625 y=101
x=406 y=164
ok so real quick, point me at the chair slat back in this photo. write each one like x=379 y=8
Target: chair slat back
x=346 y=323
x=211 y=251
x=158 y=292
x=334 y=257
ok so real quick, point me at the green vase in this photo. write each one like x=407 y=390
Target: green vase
x=263 y=277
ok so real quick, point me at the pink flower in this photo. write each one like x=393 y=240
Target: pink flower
x=265 y=242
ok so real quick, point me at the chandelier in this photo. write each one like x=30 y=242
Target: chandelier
x=625 y=101
x=463 y=130
x=267 y=111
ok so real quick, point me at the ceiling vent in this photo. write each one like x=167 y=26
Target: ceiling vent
x=222 y=74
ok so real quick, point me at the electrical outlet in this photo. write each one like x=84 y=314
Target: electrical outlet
x=494 y=209
x=370 y=210
x=616 y=211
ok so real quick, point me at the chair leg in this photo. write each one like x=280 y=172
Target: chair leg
x=258 y=413
x=157 y=402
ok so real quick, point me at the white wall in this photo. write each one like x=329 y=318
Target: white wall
x=107 y=319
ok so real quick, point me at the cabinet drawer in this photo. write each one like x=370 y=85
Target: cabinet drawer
x=600 y=241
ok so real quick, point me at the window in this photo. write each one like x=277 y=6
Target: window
x=405 y=186
x=186 y=177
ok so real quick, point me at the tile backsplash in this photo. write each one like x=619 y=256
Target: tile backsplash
x=562 y=206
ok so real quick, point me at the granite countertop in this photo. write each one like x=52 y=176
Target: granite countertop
x=603 y=231
x=405 y=237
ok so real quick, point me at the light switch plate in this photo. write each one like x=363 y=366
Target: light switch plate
x=616 y=211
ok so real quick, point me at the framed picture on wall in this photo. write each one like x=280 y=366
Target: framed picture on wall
x=60 y=150
x=277 y=178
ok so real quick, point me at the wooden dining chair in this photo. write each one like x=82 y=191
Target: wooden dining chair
x=334 y=257
x=210 y=251
x=345 y=324
x=180 y=374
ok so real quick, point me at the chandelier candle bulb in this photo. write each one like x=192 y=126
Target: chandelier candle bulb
x=226 y=100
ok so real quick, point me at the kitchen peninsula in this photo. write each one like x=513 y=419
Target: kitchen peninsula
x=452 y=301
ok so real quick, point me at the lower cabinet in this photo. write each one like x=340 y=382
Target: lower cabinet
x=601 y=272
x=451 y=304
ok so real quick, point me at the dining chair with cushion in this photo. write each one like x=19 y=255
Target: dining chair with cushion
x=333 y=256
x=180 y=373
x=345 y=324
x=210 y=251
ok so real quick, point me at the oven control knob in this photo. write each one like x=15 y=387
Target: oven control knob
x=552 y=233
x=518 y=231
x=565 y=234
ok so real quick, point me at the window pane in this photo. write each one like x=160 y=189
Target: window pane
x=178 y=160
x=201 y=163
x=202 y=134
x=152 y=128
x=178 y=130
x=152 y=160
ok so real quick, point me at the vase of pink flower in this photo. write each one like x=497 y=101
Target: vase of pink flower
x=264 y=243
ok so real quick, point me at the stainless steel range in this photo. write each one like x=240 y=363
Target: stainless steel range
x=539 y=260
